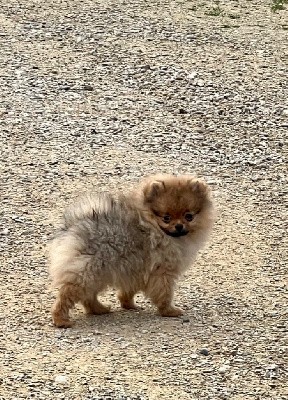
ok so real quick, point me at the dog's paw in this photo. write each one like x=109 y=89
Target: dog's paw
x=130 y=306
x=102 y=310
x=171 y=312
x=62 y=323
x=96 y=308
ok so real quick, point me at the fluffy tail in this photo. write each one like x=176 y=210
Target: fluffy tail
x=89 y=206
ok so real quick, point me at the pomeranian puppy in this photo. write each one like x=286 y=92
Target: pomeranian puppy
x=142 y=241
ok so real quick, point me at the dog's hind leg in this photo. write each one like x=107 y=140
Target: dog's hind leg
x=127 y=300
x=93 y=306
x=67 y=297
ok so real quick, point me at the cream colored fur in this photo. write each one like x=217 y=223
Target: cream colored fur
x=124 y=243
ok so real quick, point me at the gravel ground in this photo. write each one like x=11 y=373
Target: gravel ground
x=98 y=93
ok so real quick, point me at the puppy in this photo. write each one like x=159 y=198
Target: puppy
x=142 y=241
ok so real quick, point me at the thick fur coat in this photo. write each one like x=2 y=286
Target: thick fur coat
x=139 y=242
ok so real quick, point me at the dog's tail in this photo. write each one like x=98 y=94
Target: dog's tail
x=89 y=206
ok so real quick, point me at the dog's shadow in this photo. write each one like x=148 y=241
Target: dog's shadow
x=145 y=319
x=127 y=322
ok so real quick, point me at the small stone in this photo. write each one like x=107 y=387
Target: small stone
x=200 y=82
x=145 y=67
x=120 y=339
x=62 y=379
x=271 y=371
x=185 y=319
x=183 y=111
x=192 y=75
x=204 y=352
x=89 y=88
x=272 y=367
x=223 y=369
x=65 y=87
x=5 y=231
x=17 y=219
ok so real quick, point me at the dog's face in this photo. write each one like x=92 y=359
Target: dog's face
x=176 y=203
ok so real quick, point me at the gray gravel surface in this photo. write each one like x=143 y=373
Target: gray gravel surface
x=97 y=94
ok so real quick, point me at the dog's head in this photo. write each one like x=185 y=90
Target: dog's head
x=178 y=204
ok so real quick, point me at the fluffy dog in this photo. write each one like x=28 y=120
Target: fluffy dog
x=142 y=241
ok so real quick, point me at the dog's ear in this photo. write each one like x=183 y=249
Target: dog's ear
x=152 y=190
x=199 y=187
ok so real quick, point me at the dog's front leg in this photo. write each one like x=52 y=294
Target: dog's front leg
x=160 y=289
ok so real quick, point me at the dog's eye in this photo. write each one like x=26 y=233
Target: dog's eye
x=189 y=217
x=166 y=218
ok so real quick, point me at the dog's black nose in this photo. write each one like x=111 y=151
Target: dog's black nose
x=178 y=227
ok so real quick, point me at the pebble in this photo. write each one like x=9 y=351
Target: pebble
x=89 y=88
x=192 y=75
x=5 y=231
x=183 y=111
x=272 y=367
x=204 y=352
x=61 y=379
x=271 y=371
x=223 y=369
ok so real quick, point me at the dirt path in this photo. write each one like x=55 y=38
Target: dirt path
x=97 y=94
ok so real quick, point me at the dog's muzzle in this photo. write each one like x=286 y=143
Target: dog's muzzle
x=184 y=232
